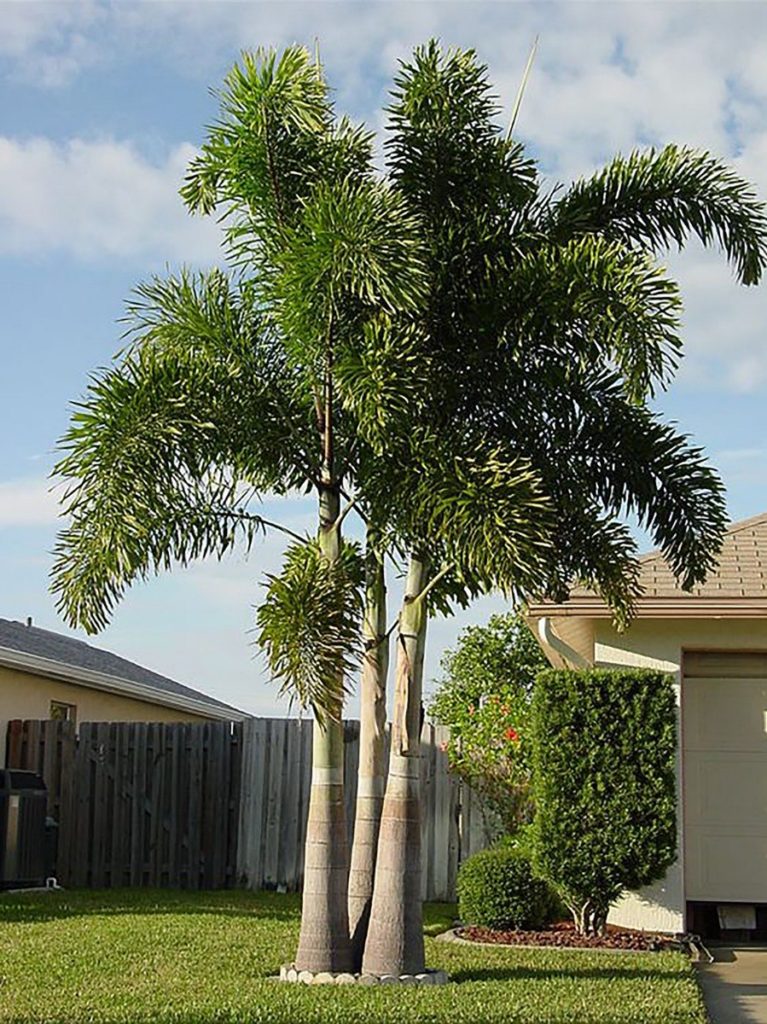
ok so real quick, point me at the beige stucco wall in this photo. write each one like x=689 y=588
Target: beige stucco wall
x=659 y=643
x=24 y=695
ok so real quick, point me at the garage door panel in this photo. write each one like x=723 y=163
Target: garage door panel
x=725 y=714
x=724 y=737
x=725 y=664
x=726 y=867
x=716 y=794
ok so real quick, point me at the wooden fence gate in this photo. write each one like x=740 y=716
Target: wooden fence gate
x=216 y=804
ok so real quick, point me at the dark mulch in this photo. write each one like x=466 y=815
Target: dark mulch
x=564 y=934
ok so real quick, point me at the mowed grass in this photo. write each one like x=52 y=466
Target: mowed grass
x=160 y=956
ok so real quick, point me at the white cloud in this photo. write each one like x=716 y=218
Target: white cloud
x=96 y=200
x=50 y=43
x=27 y=502
x=723 y=324
x=608 y=77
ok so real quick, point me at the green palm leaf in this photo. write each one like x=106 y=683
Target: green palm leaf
x=658 y=198
x=310 y=625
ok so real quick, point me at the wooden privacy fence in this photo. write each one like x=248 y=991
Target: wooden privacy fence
x=215 y=804
x=138 y=803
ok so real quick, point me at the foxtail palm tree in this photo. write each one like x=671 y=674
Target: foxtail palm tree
x=458 y=355
x=550 y=324
x=228 y=391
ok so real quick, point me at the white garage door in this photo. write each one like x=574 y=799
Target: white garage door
x=724 y=705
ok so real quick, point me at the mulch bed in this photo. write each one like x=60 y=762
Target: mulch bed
x=563 y=934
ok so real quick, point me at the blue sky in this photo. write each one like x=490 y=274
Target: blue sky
x=101 y=107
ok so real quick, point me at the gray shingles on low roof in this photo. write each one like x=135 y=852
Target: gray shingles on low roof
x=68 y=650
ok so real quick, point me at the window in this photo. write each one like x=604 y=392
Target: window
x=61 y=712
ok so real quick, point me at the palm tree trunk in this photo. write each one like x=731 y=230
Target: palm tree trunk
x=395 y=934
x=324 y=944
x=372 y=767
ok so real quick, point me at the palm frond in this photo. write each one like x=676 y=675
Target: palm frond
x=168 y=448
x=309 y=625
x=381 y=379
x=444 y=149
x=355 y=254
x=658 y=198
x=489 y=515
x=592 y=548
x=275 y=140
x=603 y=302
x=646 y=467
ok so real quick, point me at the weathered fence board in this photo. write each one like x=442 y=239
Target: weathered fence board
x=216 y=804
x=137 y=803
x=446 y=839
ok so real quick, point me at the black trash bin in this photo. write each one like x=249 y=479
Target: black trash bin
x=23 y=845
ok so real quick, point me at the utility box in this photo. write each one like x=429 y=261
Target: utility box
x=23 y=839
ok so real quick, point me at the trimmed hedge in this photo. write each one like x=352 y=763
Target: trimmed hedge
x=604 y=749
x=497 y=889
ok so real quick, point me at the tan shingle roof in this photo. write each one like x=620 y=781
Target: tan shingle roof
x=738 y=586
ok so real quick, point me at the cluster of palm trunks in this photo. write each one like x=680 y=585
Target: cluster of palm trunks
x=462 y=355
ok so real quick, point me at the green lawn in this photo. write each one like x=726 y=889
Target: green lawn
x=148 y=955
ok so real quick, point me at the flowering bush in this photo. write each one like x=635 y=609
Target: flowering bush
x=484 y=698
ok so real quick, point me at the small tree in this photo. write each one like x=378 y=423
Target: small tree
x=604 y=746
x=484 y=698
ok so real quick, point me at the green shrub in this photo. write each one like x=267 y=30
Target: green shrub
x=604 y=749
x=497 y=889
x=484 y=696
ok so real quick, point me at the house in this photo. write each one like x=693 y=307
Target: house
x=48 y=675
x=714 y=641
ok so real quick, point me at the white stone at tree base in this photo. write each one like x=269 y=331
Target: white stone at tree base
x=289 y=973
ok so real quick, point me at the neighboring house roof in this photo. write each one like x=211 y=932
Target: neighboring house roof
x=42 y=652
x=737 y=588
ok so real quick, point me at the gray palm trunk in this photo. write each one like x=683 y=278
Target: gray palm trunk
x=323 y=943
x=372 y=764
x=395 y=934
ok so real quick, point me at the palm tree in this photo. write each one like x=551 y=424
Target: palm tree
x=455 y=356
x=228 y=390
x=550 y=324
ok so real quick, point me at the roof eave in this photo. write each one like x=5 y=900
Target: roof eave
x=49 y=668
x=686 y=606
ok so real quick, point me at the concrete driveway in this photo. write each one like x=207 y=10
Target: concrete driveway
x=735 y=985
